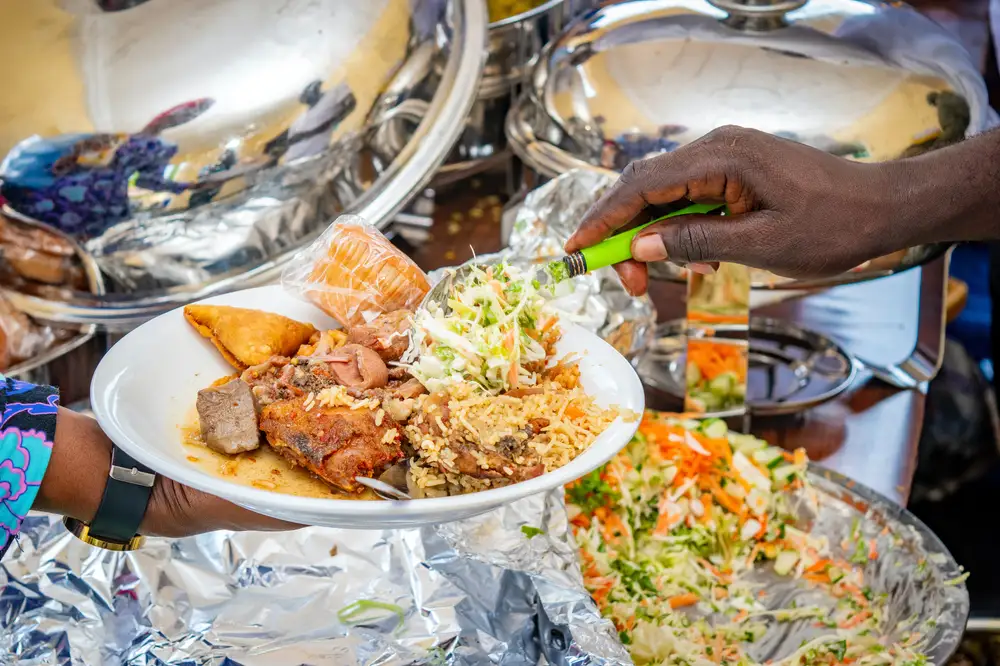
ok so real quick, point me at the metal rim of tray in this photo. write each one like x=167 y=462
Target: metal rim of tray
x=780 y=336
x=410 y=173
x=875 y=503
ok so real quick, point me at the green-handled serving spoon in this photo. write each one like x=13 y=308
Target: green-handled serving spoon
x=610 y=251
x=613 y=250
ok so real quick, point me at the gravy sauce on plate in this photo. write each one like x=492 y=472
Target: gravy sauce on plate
x=263 y=469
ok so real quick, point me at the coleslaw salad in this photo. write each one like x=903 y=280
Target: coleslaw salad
x=496 y=332
x=669 y=530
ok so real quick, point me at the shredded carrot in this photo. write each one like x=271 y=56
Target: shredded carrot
x=856 y=620
x=713 y=359
x=574 y=412
x=581 y=520
x=820 y=565
x=872 y=550
x=681 y=600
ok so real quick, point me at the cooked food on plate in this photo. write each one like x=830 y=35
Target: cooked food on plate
x=451 y=399
x=673 y=530
x=248 y=337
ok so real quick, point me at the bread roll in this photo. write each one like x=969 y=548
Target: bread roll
x=363 y=275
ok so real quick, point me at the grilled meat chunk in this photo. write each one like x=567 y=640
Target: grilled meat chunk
x=498 y=466
x=228 y=418
x=337 y=444
x=387 y=334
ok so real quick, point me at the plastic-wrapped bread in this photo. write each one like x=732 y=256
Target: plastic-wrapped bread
x=353 y=273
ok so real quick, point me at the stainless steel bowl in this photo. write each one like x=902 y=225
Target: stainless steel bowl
x=195 y=145
x=864 y=80
x=514 y=45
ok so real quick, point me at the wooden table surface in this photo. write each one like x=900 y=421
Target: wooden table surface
x=869 y=434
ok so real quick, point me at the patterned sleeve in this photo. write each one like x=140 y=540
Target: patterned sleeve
x=27 y=431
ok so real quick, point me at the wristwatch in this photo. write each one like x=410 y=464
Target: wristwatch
x=116 y=524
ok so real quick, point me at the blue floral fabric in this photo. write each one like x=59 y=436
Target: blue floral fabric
x=27 y=430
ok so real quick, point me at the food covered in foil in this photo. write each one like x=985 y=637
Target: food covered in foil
x=674 y=532
x=478 y=399
x=35 y=261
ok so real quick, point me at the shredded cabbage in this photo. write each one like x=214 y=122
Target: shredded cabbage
x=667 y=530
x=492 y=335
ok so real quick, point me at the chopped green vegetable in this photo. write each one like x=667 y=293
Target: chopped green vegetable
x=557 y=270
x=366 y=610
x=531 y=532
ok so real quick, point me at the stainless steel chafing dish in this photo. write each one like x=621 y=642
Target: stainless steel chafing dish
x=864 y=80
x=514 y=43
x=193 y=146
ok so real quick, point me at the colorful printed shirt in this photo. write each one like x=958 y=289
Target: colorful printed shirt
x=27 y=430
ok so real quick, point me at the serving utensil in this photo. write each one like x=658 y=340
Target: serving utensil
x=382 y=489
x=610 y=251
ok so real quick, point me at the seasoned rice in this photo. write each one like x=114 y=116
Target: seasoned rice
x=483 y=420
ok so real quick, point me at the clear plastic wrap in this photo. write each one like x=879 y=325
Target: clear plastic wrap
x=20 y=338
x=353 y=273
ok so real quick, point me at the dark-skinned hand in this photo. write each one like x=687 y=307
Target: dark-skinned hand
x=793 y=210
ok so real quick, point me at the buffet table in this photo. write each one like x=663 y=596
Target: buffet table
x=870 y=433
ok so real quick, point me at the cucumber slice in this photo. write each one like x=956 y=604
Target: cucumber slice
x=769 y=457
x=746 y=443
x=714 y=428
x=723 y=385
x=784 y=474
x=785 y=562
x=693 y=376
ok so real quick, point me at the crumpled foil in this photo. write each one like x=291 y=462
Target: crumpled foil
x=478 y=591
x=473 y=592
x=597 y=301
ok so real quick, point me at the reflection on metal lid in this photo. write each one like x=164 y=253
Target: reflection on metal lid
x=195 y=144
x=865 y=81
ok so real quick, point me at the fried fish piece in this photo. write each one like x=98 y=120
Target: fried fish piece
x=337 y=444
x=248 y=337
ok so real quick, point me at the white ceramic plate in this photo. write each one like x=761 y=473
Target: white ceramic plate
x=145 y=388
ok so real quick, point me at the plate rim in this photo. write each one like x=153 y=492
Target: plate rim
x=103 y=390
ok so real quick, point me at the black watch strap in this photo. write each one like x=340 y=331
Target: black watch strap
x=126 y=496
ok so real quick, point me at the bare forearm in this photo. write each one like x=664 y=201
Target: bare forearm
x=77 y=474
x=78 y=469
x=951 y=194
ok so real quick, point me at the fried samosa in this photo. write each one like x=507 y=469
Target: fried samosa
x=248 y=337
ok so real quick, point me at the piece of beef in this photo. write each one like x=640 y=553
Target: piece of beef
x=388 y=335
x=357 y=367
x=283 y=379
x=498 y=466
x=337 y=444
x=228 y=418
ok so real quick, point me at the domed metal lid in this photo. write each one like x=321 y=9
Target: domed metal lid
x=858 y=79
x=194 y=145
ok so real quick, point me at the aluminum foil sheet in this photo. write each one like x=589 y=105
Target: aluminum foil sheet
x=479 y=591
x=474 y=592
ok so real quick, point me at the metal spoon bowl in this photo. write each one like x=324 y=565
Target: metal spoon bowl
x=383 y=489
